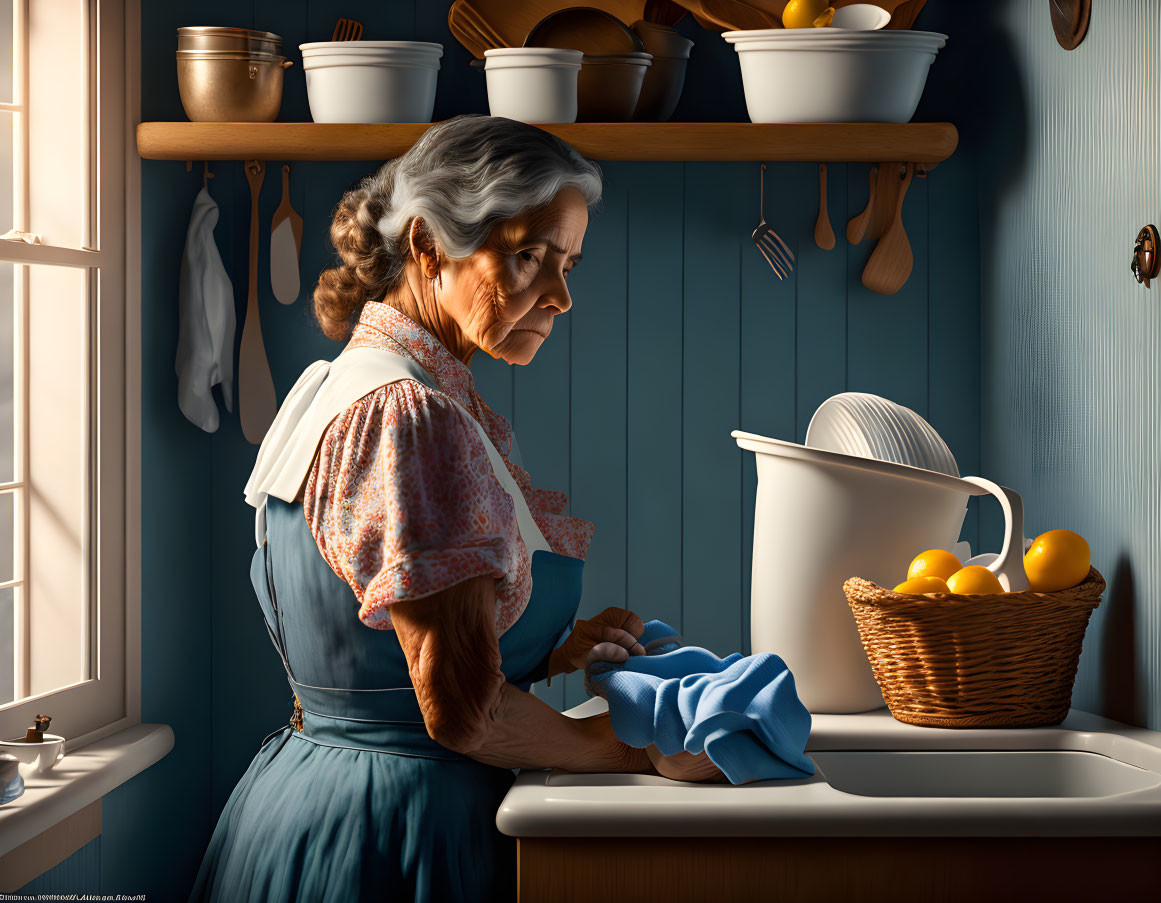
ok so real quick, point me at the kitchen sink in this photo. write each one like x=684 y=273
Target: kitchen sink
x=877 y=777
x=982 y=774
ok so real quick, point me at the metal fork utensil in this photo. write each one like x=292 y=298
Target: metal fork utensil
x=773 y=248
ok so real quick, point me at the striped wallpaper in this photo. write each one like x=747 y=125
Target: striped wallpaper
x=1070 y=340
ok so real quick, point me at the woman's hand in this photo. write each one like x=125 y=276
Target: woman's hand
x=685 y=767
x=610 y=636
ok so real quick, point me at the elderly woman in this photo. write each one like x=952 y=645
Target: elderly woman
x=390 y=497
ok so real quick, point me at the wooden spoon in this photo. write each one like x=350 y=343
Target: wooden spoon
x=730 y=15
x=891 y=261
x=823 y=233
x=857 y=227
x=904 y=15
x=257 y=404
x=285 y=246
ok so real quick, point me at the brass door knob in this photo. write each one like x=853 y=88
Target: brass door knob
x=1146 y=263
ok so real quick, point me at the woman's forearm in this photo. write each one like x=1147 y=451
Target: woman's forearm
x=468 y=706
x=523 y=732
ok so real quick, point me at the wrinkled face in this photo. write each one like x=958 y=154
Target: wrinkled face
x=505 y=296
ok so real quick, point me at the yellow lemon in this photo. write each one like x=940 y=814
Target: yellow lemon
x=1057 y=560
x=934 y=563
x=802 y=13
x=974 y=580
x=922 y=585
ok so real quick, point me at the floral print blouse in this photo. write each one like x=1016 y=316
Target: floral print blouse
x=401 y=498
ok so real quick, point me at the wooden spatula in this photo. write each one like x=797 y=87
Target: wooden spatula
x=285 y=246
x=347 y=30
x=891 y=261
x=257 y=404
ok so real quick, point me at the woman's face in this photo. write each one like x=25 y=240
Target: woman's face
x=505 y=296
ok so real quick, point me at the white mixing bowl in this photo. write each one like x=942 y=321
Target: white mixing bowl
x=833 y=75
x=533 y=84
x=371 y=81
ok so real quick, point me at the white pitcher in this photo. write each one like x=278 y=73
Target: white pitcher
x=821 y=517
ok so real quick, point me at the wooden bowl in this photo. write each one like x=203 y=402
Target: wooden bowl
x=665 y=79
x=591 y=31
x=609 y=86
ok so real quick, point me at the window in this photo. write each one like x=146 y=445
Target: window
x=63 y=326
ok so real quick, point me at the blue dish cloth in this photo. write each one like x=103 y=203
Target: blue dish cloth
x=742 y=711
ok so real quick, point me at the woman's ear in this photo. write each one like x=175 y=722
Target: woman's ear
x=423 y=250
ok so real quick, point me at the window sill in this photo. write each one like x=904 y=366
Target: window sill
x=81 y=778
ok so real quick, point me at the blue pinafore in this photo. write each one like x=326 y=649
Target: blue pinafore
x=359 y=803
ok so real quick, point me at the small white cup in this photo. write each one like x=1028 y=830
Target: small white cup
x=42 y=756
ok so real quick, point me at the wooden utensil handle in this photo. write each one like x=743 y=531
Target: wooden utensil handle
x=903 y=190
x=255 y=170
x=857 y=227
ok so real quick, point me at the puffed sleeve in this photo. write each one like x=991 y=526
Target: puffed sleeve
x=403 y=503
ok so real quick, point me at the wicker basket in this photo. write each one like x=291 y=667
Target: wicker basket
x=948 y=660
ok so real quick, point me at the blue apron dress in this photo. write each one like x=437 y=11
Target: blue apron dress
x=353 y=800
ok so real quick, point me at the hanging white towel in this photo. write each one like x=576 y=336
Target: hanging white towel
x=205 y=344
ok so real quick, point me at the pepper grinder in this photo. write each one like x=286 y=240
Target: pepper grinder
x=35 y=733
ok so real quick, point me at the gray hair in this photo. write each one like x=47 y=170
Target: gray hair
x=463 y=177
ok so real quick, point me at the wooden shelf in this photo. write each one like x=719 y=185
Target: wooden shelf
x=870 y=142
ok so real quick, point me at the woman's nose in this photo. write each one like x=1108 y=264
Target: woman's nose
x=557 y=296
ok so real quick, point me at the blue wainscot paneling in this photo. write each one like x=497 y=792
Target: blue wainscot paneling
x=679 y=333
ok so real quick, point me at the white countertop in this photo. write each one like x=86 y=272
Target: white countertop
x=560 y=804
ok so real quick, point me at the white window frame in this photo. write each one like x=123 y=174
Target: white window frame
x=110 y=700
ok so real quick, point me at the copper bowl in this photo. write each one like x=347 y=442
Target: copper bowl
x=230 y=86
x=213 y=37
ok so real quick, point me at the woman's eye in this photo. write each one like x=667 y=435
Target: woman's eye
x=527 y=256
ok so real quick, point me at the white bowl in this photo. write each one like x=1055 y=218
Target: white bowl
x=904 y=436
x=860 y=17
x=369 y=47
x=869 y=426
x=834 y=75
x=375 y=81
x=532 y=84
x=42 y=756
x=839 y=430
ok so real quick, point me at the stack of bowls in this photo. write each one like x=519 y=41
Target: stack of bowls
x=229 y=74
x=666 y=77
x=609 y=86
x=869 y=426
x=833 y=74
x=613 y=66
x=371 y=81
